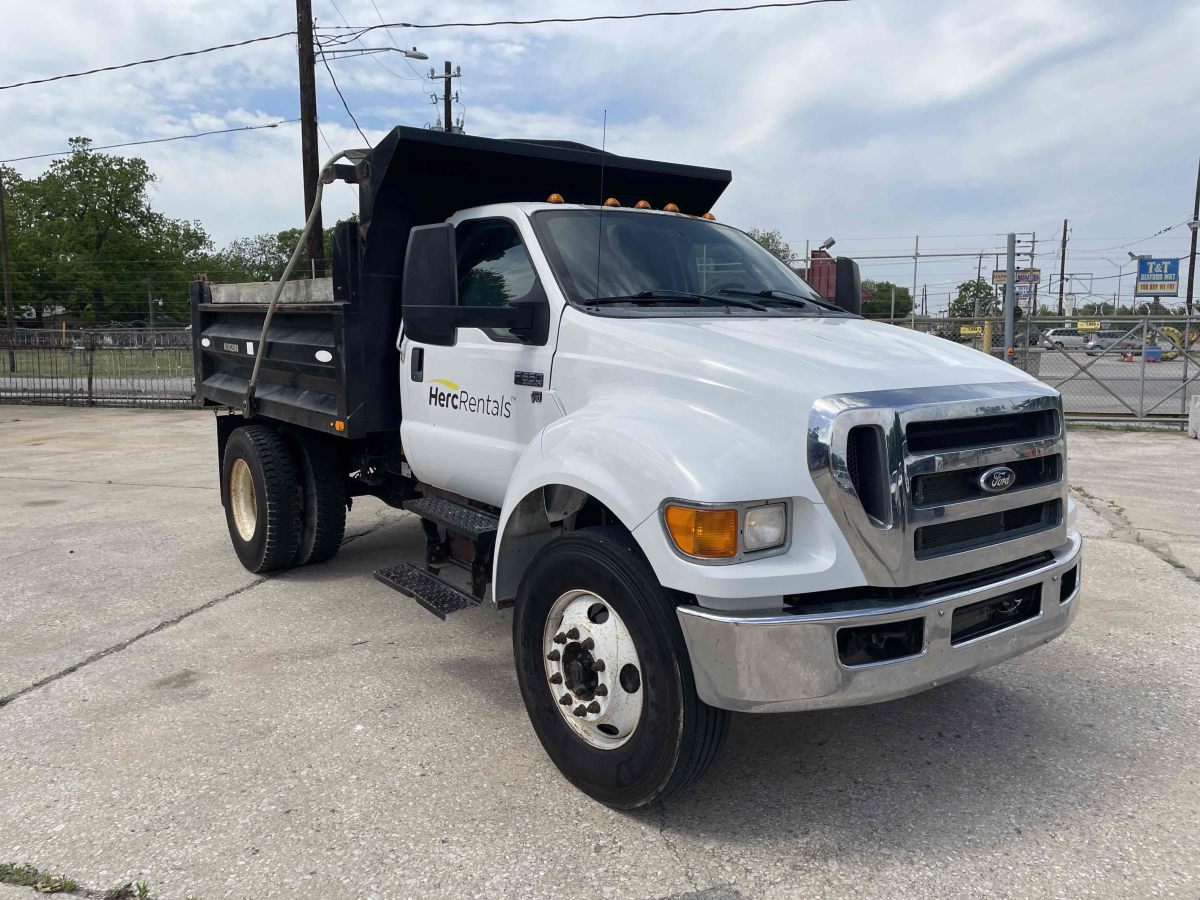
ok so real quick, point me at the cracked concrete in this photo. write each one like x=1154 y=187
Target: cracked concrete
x=1145 y=486
x=316 y=735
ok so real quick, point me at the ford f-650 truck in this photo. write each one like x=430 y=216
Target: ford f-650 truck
x=700 y=487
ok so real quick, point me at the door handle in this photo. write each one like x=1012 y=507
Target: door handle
x=417 y=356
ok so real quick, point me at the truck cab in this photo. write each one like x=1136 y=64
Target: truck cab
x=700 y=487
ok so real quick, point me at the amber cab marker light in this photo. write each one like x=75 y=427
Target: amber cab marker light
x=555 y=198
x=704 y=533
x=670 y=207
x=641 y=204
x=339 y=425
x=612 y=201
x=709 y=216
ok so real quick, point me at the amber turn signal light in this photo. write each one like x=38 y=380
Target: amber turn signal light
x=704 y=533
x=555 y=198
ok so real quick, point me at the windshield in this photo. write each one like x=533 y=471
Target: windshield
x=660 y=261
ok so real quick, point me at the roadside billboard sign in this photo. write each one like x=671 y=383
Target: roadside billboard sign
x=1024 y=276
x=1157 y=278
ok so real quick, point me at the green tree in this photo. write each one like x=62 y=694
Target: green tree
x=880 y=304
x=84 y=237
x=263 y=257
x=970 y=292
x=774 y=242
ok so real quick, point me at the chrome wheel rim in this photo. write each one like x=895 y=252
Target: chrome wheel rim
x=592 y=669
x=242 y=500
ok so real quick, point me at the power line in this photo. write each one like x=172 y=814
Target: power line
x=178 y=137
x=607 y=18
x=339 y=93
x=143 y=62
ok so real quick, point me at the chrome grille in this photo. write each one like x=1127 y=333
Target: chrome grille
x=930 y=519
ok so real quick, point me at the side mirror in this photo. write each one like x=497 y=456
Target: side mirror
x=848 y=286
x=429 y=295
x=429 y=289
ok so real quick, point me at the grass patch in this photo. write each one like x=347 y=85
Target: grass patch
x=25 y=876
x=42 y=882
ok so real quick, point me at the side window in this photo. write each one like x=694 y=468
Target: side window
x=493 y=267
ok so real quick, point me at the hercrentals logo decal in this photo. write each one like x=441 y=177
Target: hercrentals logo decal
x=463 y=400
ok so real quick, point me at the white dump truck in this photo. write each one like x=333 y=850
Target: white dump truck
x=700 y=487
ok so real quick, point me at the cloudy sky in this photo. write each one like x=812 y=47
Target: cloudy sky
x=868 y=121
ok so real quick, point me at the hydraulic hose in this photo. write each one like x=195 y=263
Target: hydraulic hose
x=248 y=405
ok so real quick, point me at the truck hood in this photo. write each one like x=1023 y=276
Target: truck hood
x=809 y=357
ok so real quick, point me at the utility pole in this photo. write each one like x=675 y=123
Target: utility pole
x=893 y=303
x=447 y=97
x=308 y=133
x=916 y=253
x=1062 y=266
x=1194 y=224
x=1033 y=284
x=978 y=278
x=8 y=310
x=1010 y=296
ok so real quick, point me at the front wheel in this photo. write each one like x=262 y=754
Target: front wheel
x=605 y=674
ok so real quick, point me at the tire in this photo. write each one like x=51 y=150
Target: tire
x=261 y=497
x=675 y=736
x=322 y=500
x=1058 y=345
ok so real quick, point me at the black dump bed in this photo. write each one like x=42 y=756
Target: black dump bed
x=331 y=352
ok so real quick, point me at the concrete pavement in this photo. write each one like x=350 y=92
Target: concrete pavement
x=314 y=734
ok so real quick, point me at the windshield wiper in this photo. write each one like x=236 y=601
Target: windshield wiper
x=683 y=297
x=783 y=297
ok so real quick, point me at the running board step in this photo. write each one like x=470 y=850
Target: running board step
x=466 y=520
x=434 y=593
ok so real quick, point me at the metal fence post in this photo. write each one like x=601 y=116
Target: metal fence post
x=1187 y=332
x=91 y=366
x=1142 y=377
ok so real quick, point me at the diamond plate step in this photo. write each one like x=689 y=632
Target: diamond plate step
x=436 y=594
x=458 y=517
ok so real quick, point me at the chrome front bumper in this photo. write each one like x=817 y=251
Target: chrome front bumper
x=780 y=662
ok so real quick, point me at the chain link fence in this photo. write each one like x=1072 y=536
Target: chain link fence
x=1107 y=368
x=102 y=367
x=1120 y=368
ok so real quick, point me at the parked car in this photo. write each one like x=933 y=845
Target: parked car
x=1064 y=338
x=1100 y=341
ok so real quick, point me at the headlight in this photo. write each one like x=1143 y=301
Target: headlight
x=764 y=527
x=723 y=534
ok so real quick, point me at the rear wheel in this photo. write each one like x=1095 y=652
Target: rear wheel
x=261 y=496
x=605 y=674
x=322 y=500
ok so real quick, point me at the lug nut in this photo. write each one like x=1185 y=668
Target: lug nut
x=560 y=638
x=573 y=634
x=598 y=665
x=580 y=711
x=556 y=678
x=588 y=644
x=552 y=656
x=593 y=707
x=601 y=691
x=565 y=699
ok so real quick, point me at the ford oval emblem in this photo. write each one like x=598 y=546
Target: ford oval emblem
x=997 y=479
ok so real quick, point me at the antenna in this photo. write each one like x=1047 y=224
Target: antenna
x=600 y=216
